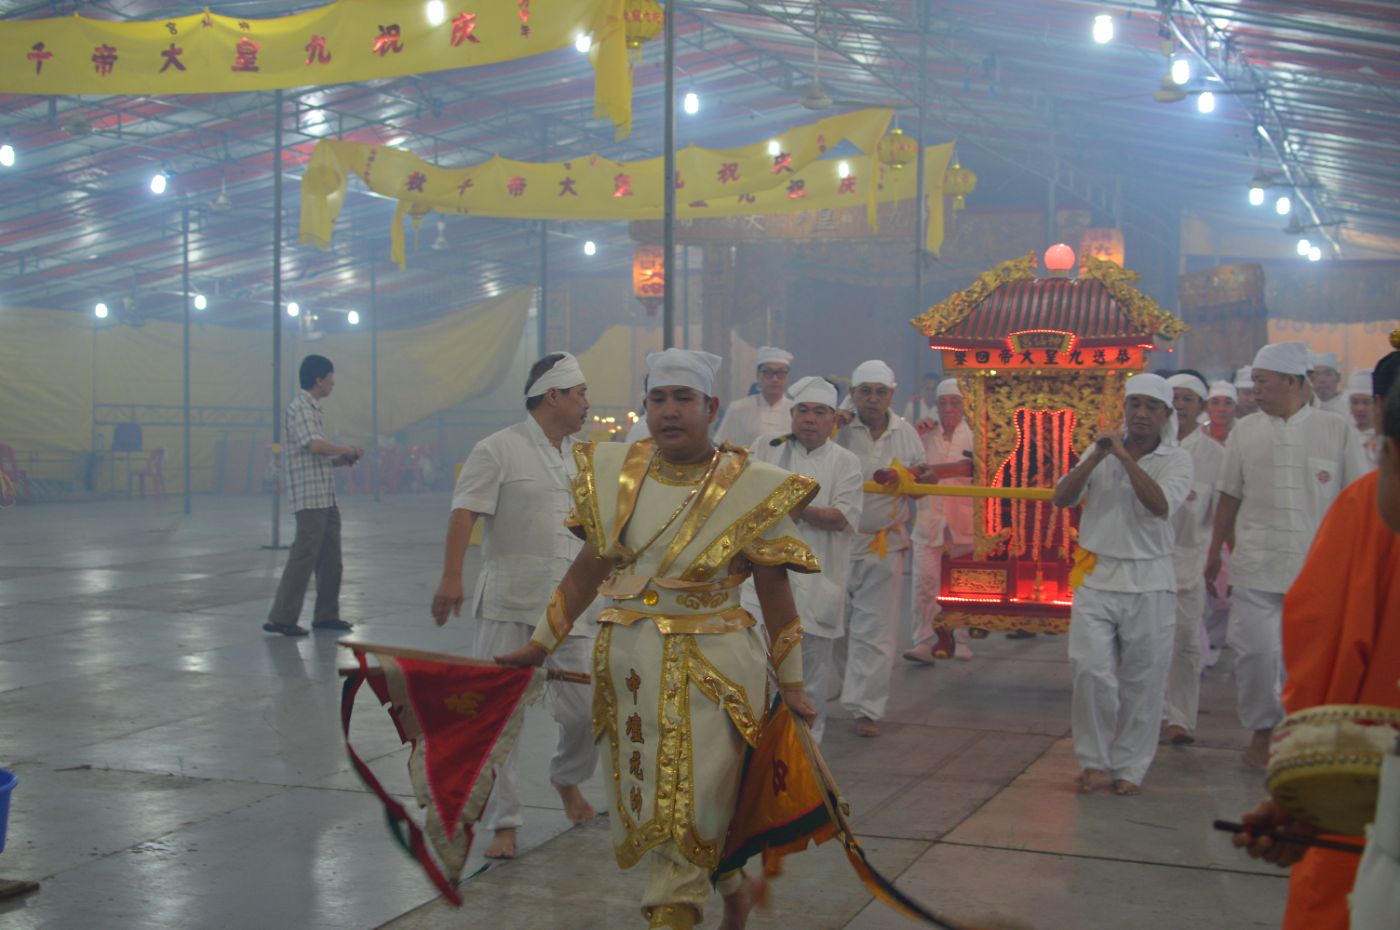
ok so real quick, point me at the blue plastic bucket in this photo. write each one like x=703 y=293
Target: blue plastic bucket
x=8 y=780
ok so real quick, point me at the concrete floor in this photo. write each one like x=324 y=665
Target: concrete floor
x=181 y=769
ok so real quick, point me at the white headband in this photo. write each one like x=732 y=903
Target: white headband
x=948 y=387
x=1224 y=389
x=768 y=354
x=565 y=374
x=873 y=371
x=1190 y=382
x=1155 y=387
x=1323 y=360
x=813 y=390
x=1361 y=382
x=683 y=368
x=1286 y=358
x=1244 y=378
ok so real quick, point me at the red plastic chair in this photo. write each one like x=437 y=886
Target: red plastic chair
x=152 y=471
x=17 y=482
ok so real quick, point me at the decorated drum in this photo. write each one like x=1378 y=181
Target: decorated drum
x=1325 y=764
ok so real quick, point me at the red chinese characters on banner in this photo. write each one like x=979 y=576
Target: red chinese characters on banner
x=821 y=144
x=566 y=186
x=104 y=59
x=1114 y=357
x=729 y=171
x=524 y=6
x=38 y=54
x=464 y=29
x=782 y=162
x=515 y=186
x=172 y=58
x=796 y=189
x=847 y=186
x=416 y=180
x=388 y=40
x=245 y=55
x=465 y=186
x=622 y=185
x=316 y=51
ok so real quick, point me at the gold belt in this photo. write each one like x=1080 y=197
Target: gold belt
x=725 y=621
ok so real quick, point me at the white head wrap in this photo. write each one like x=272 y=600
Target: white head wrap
x=1323 y=360
x=873 y=371
x=683 y=368
x=1155 y=387
x=768 y=354
x=948 y=387
x=565 y=374
x=1361 y=382
x=813 y=390
x=1191 y=383
x=1244 y=378
x=1286 y=358
x=1223 y=389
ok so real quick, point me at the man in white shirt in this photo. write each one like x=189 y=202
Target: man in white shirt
x=1244 y=390
x=765 y=413
x=924 y=405
x=828 y=525
x=1283 y=468
x=1191 y=526
x=1326 y=382
x=1362 y=406
x=517 y=483
x=1121 y=626
x=875 y=589
x=943 y=524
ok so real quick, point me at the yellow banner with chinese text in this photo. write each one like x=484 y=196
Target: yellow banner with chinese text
x=343 y=42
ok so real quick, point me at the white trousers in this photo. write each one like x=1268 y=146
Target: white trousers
x=818 y=675
x=576 y=754
x=1256 y=636
x=928 y=580
x=1120 y=648
x=873 y=595
x=1184 y=681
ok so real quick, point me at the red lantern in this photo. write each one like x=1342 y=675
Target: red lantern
x=649 y=276
x=1059 y=259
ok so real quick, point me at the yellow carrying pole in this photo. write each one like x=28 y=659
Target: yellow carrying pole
x=906 y=486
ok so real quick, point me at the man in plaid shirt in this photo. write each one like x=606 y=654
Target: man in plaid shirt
x=310 y=477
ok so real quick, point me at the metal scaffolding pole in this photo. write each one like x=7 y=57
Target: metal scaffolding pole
x=668 y=244
x=277 y=308
x=920 y=207
x=374 y=373
x=541 y=317
x=185 y=285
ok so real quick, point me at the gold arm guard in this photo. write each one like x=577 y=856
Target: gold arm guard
x=786 y=656
x=554 y=626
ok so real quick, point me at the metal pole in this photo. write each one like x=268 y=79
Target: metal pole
x=668 y=222
x=374 y=374
x=185 y=284
x=277 y=306
x=542 y=312
x=920 y=207
x=685 y=296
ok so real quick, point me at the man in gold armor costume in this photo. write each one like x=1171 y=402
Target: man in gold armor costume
x=681 y=674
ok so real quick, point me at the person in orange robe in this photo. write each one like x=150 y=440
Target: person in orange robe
x=1341 y=645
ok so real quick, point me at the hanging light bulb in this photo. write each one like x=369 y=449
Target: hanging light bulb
x=1256 y=196
x=843 y=169
x=1314 y=254
x=775 y=148
x=691 y=103
x=590 y=248
x=1283 y=205
x=1304 y=246
x=1103 y=28
x=1181 y=70
x=293 y=309
x=159 y=182
x=100 y=311
x=583 y=42
x=353 y=318
x=200 y=302
x=437 y=12
x=7 y=155
x=1205 y=103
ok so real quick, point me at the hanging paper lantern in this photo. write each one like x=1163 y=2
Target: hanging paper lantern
x=642 y=21
x=1102 y=242
x=958 y=182
x=896 y=149
x=649 y=276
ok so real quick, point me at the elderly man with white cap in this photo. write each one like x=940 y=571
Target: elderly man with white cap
x=672 y=527
x=1283 y=469
x=764 y=413
x=516 y=483
x=1244 y=389
x=876 y=586
x=1222 y=405
x=828 y=525
x=1362 y=406
x=1192 y=525
x=1122 y=623
x=1326 y=382
x=943 y=525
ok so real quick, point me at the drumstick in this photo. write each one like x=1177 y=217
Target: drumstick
x=1284 y=836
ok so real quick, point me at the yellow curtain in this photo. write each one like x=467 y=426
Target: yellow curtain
x=349 y=41
x=48 y=358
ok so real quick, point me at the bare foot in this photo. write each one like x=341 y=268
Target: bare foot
x=867 y=727
x=738 y=905
x=1126 y=788
x=1257 y=755
x=1179 y=735
x=576 y=806
x=1091 y=781
x=502 y=845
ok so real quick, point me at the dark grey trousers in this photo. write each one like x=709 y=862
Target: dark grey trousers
x=315 y=549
